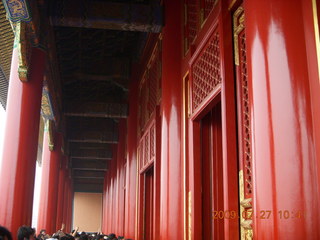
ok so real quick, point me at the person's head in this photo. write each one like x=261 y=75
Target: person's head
x=43 y=232
x=26 y=233
x=83 y=237
x=5 y=234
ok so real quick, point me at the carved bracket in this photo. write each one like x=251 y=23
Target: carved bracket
x=24 y=50
x=18 y=10
x=48 y=129
x=46 y=104
x=238 y=25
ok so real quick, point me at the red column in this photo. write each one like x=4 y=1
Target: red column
x=70 y=203
x=131 y=201
x=20 y=145
x=65 y=197
x=171 y=207
x=49 y=185
x=62 y=173
x=285 y=163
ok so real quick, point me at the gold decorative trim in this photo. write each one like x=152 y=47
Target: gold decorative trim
x=184 y=119
x=22 y=45
x=238 y=26
x=316 y=32
x=245 y=224
x=202 y=19
x=48 y=129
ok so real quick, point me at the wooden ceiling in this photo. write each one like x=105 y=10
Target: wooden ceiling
x=96 y=43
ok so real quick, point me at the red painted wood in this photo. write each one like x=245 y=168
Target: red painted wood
x=171 y=193
x=206 y=175
x=131 y=172
x=47 y=215
x=313 y=63
x=228 y=119
x=285 y=176
x=62 y=172
x=65 y=197
x=20 y=143
x=148 y=205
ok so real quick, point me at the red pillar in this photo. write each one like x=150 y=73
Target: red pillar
x=171 y=207
x=131 y=190
x=62 y=173
x=68 y=205
x=285 y=163
x=49 y=185
x=65 y=197
x=20 y=145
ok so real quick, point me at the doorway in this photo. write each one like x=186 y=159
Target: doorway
x=212 y=174
x=148 y=204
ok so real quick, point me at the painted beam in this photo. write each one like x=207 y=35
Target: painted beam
x=91 y=154
x=93 y=137
x=96 y=188
x=88 y=174
x=107 y=15
x=102 y=110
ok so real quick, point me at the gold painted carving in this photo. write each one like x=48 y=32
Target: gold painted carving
x=22 y=44
x=238 y=26
x=48 y=129
x=45 y=105
x=245 y=205
x=189 y=216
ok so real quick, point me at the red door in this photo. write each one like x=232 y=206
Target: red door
x=148 y=210
x=212 y=185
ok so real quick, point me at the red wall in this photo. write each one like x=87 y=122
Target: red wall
x=284 y=113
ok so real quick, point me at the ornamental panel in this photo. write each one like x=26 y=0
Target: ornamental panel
x=150 y=88
x=147 y=146
x=205 y=72
x=191 y=22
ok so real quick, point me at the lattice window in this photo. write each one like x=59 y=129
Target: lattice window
x=140 y=151
x=206 y=8
x=152 y=141
x=191 y=25
x=206 y=73
x=147 y=146
x=245 y=114
x=150 y=87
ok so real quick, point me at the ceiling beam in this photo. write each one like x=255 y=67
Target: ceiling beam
x=102 y=110
x=89 y=146
x=88 y=187
x=89 y=164
x=107 y=15
x=88 y=174
x=93 y=136
x=103 y=154
x=120 y=79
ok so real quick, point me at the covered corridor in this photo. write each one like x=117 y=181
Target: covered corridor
x=194 y=119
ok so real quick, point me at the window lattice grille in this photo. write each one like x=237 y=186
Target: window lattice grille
x=191 y=22
x=147 y=146
x=206 y=73
x=149 y=88
x=245 y=114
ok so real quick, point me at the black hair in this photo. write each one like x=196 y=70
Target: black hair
x=5 y=233
x=25 y=232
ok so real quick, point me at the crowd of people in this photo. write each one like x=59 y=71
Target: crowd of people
x=28 y=233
